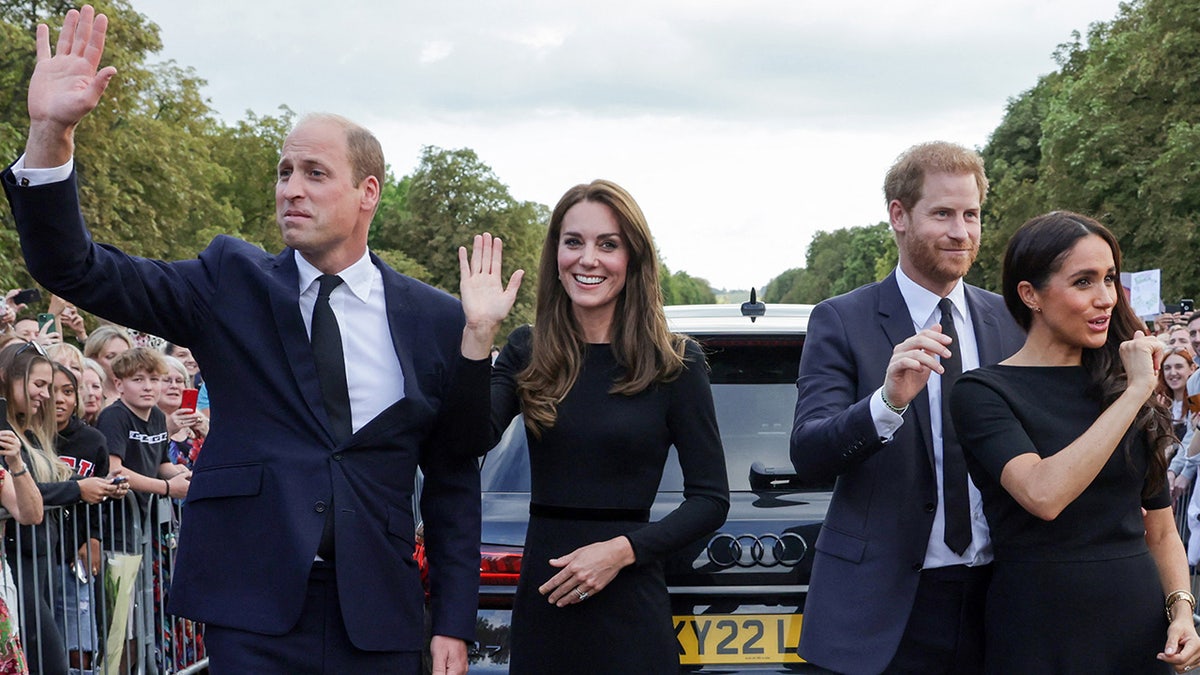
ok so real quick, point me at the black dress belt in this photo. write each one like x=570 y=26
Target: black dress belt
x=582 y=513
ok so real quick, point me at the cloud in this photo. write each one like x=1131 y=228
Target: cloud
x=741 y=127
x=435 y=51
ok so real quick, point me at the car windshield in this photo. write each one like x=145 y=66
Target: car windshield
x=754 y=391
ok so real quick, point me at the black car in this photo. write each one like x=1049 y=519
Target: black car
x=737 y=594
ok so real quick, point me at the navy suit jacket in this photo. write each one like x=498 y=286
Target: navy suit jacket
x=872 y=545
x=261 y=487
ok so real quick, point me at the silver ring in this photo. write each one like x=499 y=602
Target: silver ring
x=582 y=594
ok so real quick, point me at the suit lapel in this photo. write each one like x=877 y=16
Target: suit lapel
x=897 y=324
x=987 y=329
x=285 y=306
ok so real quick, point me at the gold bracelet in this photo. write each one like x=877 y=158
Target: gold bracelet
x=1175 y=597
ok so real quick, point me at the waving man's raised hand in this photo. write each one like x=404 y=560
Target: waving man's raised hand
x=65 y=86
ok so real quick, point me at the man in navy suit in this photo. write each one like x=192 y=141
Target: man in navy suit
x=899 y=578
x=298 y=534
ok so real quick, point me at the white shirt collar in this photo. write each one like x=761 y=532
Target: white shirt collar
x=357 y=277
x=922 y=303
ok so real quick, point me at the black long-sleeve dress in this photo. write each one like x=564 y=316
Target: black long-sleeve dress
x=1080 y=593
x=595 y=474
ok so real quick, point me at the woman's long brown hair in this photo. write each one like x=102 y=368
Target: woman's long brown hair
x=641 y=343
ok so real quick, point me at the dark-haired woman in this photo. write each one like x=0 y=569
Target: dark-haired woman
x=1064 y=440
x=605 y=390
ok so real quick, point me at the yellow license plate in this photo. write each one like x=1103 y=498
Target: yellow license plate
x=738 y=638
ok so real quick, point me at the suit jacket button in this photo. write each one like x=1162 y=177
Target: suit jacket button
x=930 y=507
x=337 y=457
x=319 y=507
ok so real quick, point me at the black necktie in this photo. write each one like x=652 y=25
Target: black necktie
x=331 y=362
x=955 y=499
x=331 y=373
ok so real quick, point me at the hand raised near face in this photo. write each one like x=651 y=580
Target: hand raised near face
x=485 y=299
x=911 y=364
x=1142 y=357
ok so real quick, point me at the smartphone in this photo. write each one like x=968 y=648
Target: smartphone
x=117 y=480
x=190 y=396
x=45 y=318
x=1187 y=305
x=4 y=425
x=27 y=296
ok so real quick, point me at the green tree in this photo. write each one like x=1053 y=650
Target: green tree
x=837 y=262
x=681 y=288
x=1112 y=134
x=451 y=197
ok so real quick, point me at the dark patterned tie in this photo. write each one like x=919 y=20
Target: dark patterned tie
x=955 y=499
x=331 y=373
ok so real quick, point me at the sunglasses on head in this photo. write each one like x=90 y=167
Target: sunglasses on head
x=35 y=346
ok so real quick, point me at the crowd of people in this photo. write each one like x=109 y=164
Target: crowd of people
x=80 y=448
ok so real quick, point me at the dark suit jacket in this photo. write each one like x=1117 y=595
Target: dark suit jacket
x=257 y=500
x=872 y=545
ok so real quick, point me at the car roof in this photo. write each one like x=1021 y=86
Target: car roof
x=727 y=319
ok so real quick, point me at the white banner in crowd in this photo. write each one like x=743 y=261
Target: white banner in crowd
x=1144 y=292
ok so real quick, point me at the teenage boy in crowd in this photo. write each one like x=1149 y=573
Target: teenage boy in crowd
x=136 y=433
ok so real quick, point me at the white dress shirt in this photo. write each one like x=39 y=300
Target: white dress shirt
x=373 y=373
x=923 y=310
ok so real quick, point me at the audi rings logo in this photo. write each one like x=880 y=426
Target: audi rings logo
x=748 y=550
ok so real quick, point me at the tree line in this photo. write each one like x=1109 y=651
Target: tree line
x=160 y=174
x=1113 y=133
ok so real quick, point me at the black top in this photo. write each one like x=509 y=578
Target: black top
x=608 y=450
x=142 y=447
x=1001 y=412
x=84 y=450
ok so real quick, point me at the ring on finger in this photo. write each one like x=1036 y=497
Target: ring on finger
x=581 y=593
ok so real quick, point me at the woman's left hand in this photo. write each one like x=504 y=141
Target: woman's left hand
x=1183 y=646
x=485 y=300
x=587 y=570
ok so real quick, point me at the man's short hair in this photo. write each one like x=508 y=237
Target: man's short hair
x=1193 y=316
x=138 y=360
x=907 y=176
x=362 y=148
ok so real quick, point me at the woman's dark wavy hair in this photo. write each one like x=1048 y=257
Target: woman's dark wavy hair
x=1035 y=253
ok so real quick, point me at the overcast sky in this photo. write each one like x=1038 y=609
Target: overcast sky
x=742 y=127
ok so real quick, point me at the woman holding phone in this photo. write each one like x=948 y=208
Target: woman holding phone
x=186 y=426
x=83 y=449
x=27 y=381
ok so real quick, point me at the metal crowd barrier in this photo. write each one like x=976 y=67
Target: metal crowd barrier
x=1181 y=523
x=113 y=623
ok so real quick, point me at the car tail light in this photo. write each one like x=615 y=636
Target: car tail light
x=499 y=565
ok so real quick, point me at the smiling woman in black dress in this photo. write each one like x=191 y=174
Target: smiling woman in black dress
x=605 y=390
x=1064 y=441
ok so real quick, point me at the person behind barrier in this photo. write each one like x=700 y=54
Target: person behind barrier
x=83 y=449
x=28 y=377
